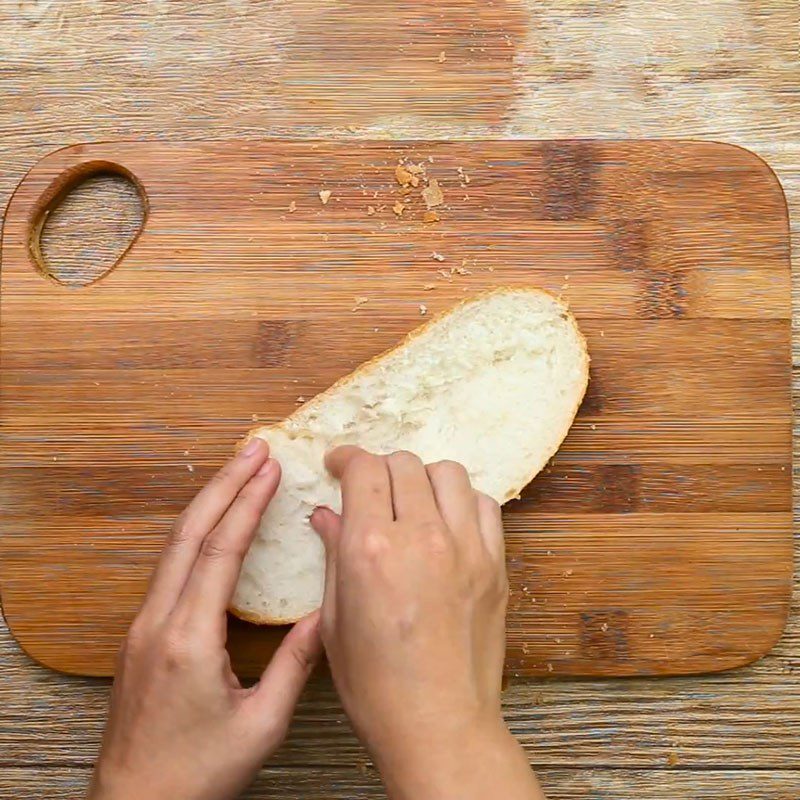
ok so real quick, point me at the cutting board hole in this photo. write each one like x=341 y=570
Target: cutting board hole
x=90 y=227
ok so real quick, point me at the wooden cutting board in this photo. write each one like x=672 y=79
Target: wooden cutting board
x=657 y=542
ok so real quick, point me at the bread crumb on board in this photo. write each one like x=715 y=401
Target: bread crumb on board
x=432 y=194
x=398 y=208
x=437 y=256
x=292 y=207
x=370 y=211
x=325 y=195
x=430 y=217
x=423 y=309
x=442 y=57
x=359 y=301
x=402 y=175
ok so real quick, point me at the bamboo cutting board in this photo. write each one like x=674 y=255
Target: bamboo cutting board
x=657 y=542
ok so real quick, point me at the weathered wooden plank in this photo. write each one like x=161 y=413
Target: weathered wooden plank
x=361 y=781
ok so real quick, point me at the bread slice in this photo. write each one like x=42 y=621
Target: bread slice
x=493 y=383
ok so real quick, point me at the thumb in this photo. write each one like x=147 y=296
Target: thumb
x=286 y=674
x=328 y=525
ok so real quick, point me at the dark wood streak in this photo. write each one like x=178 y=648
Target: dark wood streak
x=568 y=188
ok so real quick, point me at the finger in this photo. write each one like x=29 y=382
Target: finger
x=328 y=525
x=194 y=524
x=490 y=520
x=278 y=691
x=412 y=494
x=364 y=478
x=210 y=586
x=336 y=460
x=455 y=497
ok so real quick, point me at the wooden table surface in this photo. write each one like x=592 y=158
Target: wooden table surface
x=82 y=70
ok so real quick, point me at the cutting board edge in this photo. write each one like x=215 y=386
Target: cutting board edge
x=399 y=145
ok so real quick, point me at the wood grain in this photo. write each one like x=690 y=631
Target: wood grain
x=727 y=70
x=362 y=782
x=239 y=296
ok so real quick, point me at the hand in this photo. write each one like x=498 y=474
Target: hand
x=413 y=621
x=181 y=726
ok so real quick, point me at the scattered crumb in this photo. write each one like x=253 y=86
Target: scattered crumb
x=325 y=195
x=423 y=309
x=465 y=179
x=190 y=467
x=292 y=207
x=604 y=627
x=186 y=452
x=352 y=128
x=402 y=175
x=432 y=194
x=359 y=301
x=370 y=211
x=430 y=216
x=549 y=667
x=462 y=271
x=672 y=759
x=602 y=333
x=429 y=287
x=398 y=208
x=416 y=169
x=445 y=273
x=437 y=256
x=301 y=399
x=491 y=269
x=254 y=417
x=593 y=426
x=442 y=57
x=567 y=573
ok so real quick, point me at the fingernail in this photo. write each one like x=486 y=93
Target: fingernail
x=252 y=447
x=267 y=467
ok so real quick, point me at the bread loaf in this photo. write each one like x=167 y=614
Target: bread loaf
x=493 y=383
